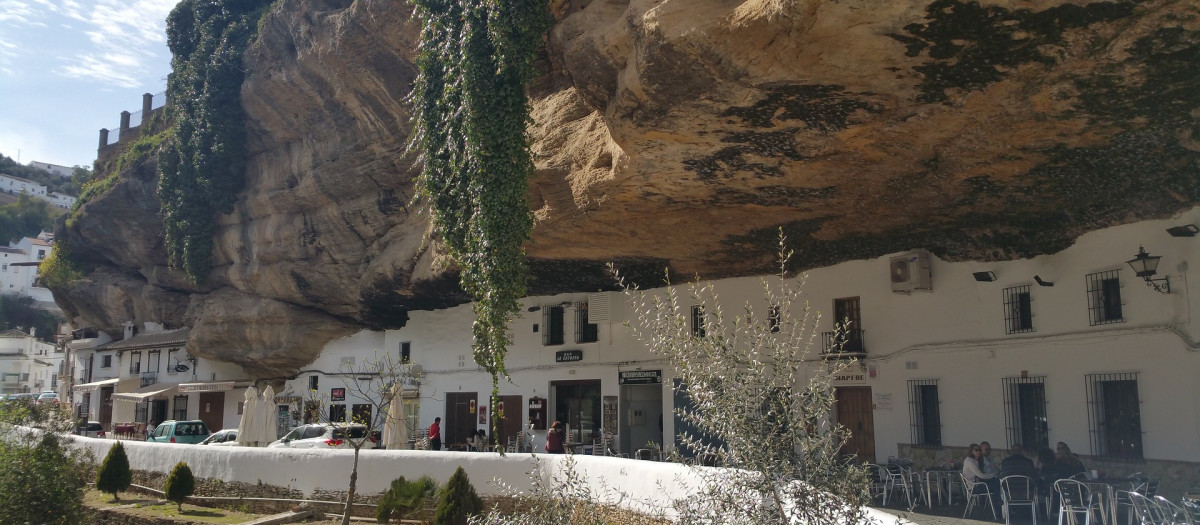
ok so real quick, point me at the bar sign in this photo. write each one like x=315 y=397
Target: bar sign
x=568 y=356
x=639 y=377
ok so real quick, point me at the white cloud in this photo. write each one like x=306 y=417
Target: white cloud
x=122 y=35
x=17 y=11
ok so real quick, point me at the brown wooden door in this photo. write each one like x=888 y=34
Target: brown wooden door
x=106 y=402
x=854 y=411
x=460 y=420
x=212 y=410
x=511 y=419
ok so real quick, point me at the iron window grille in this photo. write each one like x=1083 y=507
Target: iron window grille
x=337 y=413
x=135 y=362
x=1114 y=415
x=149 y=378
x=106 y=361
x=141 y=412
x=585 y=332
x=843 y=343
x=1104 y=298
x=925 y=411
x=552 y=323
x=179 y=409
x=698 y=321
x=1025 y=412
x=1018 y=310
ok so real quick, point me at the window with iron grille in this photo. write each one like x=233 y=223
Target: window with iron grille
x=585 y=332
x=1114 y=415
x=105 y=361
x=925 y=409
x=1104 y=297
x=1018 y=310
x=1025 y=412
x=337 y=413
x=135 y=362
x=141 y=411
x=406 y=352
x=552 y=325
x=698 y=321
x=179 y=409
x=313 y=381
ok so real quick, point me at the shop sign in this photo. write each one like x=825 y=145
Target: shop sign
x=568 y=356
x=337 y=394
x=639 y=377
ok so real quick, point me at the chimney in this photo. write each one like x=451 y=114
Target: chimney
x=128 y=329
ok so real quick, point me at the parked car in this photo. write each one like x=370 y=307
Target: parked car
x=172 y=431
x=318 y=435
x=91 y=429
x=26 y=397
x=222 y=438
x=48 y=397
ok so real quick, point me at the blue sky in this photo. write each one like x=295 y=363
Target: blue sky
x=68 y=68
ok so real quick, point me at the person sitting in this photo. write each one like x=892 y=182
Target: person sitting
x=480 y=441
x=1068 y=463
x=982 y=481
x=985 y=462
x=1047 y=474
x=1016 y=464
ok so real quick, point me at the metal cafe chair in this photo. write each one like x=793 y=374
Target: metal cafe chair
x=1018 y=491
x=900 y=479
x=879 y=482
x=1073 y=498
x=973 y=498
x=1171 y=513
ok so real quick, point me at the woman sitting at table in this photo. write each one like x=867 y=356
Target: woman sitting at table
x=479 y=441
x=974 y=474
x=1068 y=463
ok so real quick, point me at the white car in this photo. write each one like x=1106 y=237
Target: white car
x=48 y=397
x=322 y=436
x=222 y=438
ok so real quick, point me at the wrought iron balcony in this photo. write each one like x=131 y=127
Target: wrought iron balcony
x=844 y=344
x=149 y=378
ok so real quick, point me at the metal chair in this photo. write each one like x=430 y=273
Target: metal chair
x=647 y=453
x=969 y=489
x=1145 y=509
x=1073 y=498
x=1018 y=491
x=878 y=482
x=1172 y=514
x=900 y=478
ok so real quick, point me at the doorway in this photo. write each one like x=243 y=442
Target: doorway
x=158 y=410
x=460 y=417
x=212 y=410
x=106 y=402
x=577 y=404
x=854 y=411
x=509 y=410
x=641 y=421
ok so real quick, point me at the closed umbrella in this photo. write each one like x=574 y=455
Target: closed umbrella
x=395 y=429
x=247 y=430
x=270 y=427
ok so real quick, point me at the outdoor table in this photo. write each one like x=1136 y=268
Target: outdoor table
x=1107 y=490
x=125 y=428
x=934 y=478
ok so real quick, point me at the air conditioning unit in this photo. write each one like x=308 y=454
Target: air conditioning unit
x=910 y=272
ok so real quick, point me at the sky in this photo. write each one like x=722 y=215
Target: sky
x=69 y=68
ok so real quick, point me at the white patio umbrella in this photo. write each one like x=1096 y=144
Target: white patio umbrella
x=395 y=429
x=247 y=430
x=270 y=427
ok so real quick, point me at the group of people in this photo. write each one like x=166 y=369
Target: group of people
x=479 y=440
x=1050 y=466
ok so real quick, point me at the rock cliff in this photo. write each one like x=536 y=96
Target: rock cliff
x=678 y=133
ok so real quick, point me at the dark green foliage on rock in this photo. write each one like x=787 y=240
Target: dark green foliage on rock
x=459 y=501
x=42 y=481
x=114 y=475
x=404 y=498
x=180 y=484
x=201 y=167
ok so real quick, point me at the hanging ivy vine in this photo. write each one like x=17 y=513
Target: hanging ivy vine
x=475 y=60
x=200 y=170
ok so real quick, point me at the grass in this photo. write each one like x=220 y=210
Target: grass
x=155 y=507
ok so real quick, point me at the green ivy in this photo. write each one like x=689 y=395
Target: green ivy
x=471 y=112
x=200 y=170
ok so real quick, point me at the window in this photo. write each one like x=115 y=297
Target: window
x=1114 y=415
x=141 y=411
x=1025 y=412
x=54 y=380
x=241 y=407
x=106 y=361
x=585 y=332
x=337 y=413
x=698 y=321
x=925 y=408
x=41 y=254
x=848 y=335
x=1104 y=297
x=405 y=352
x=135 y=362
x=172 y=360
x=552 y=325
x=1018 y=312
x=152 y=359
x=180 y=409
x=362 y=414
x=312 y=382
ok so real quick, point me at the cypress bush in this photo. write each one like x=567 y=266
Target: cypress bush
x=180 y=484
x=114 y=475
x=459 y=501
x=404 y=497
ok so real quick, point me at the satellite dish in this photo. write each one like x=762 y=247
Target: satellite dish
x=181 y=367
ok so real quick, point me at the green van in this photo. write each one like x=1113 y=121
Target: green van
x=172 y=431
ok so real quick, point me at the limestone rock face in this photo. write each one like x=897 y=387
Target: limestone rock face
x=680 y=133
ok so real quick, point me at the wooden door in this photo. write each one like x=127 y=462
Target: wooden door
x=854 y=411
x=106 y=402
x=460 y=419
x=212 y=410
x=511 y=419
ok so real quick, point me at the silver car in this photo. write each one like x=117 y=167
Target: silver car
x=222 y=438
x=323 y=436
x=92 y=429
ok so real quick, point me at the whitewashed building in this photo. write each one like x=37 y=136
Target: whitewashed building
x=57 y=169
x=28 y=364
x=61 y=200
x=19 y=270
x=14 y=185
x=1071 y=347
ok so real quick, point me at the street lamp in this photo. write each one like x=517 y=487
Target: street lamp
x=1146 y=266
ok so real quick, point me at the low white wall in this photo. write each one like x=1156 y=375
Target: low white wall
x=649 y=486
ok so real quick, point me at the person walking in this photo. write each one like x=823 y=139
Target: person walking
x=554 y=439
x=435 y=434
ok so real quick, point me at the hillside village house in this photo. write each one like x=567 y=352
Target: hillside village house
x=150 y=377
x=14 y=185
x=18 y=268
x=27 y=364
x=1071 y=347
x=57 y=169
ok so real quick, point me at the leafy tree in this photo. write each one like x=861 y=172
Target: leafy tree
x=404 y=497
x=756 y=403
x=459 y=501
x=25 y=218
x=180 y=484
x=17 y=312
x=114 y=475
x=44 y=479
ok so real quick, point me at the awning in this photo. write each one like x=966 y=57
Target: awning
x=210 y=386
x=92 y=387
x=143 y=393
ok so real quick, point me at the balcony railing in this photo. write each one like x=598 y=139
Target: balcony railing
x=844 y=343
x=149 y=378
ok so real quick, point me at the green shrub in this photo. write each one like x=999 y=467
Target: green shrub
x=43 y=480
x=180 y=484
x=404 y=497
x=114 y=475
x=459 y=501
